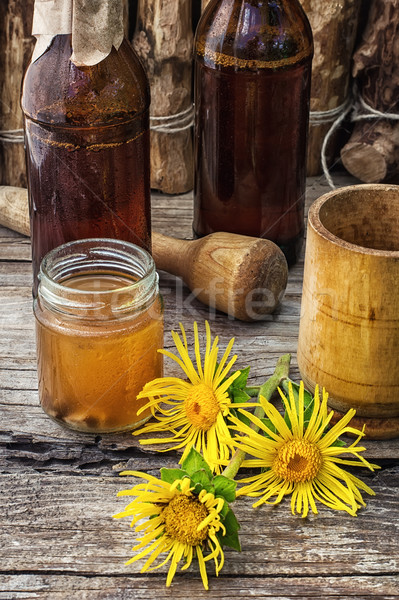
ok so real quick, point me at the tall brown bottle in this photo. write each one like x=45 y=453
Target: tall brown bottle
x=252 y=87
x=87 y=148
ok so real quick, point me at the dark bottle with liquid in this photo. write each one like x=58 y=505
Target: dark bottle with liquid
x=87 y=148
x=252 y=89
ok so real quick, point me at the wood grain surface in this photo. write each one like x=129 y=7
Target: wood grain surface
x=58 y=487
x=164 y=41
x=16 y=46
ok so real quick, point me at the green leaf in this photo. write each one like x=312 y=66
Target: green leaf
x=241 y=417
x=232 y=527
x=195 y=462
x=270 y=425
x=339 y=443
x=232 y=541
x=241 y=381
x=225 y=509
x=230 y=522
x=202 y=481
x=240 y=396
x=170 y=475
x=236 y=390
x=225 y=487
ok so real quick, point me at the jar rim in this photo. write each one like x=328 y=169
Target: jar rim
x=100 y=255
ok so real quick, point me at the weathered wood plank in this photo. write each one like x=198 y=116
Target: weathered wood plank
x=22 y=415
x=14 y=249
x=61 y=587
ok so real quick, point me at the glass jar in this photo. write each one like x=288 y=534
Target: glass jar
x=252 y=88
x=99 y=324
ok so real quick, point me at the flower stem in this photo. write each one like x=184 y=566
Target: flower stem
x=253 y=390
x=266 y=390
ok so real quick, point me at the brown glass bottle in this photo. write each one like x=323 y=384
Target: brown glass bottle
x=252 y=87
x=87 y=148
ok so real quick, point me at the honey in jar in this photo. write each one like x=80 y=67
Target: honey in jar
x=99 y=324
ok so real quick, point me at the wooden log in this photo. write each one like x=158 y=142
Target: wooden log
x=132 y=13
x=372 y=153
x=163 y=40
x=16 y=45
x=334 y=25
x=126 y=17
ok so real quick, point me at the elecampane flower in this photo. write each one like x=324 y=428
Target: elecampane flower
x=174 y=521
x=194 y=410
x=301 y=458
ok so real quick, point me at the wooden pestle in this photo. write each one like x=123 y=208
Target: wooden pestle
x=242 y=276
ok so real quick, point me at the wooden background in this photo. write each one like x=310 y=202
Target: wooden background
x=58 y=488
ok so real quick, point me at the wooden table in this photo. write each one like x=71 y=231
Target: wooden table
x=58 y=487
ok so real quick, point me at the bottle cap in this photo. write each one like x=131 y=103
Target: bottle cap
x=95 y=25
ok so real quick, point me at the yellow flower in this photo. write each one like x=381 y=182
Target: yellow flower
x=301 y=458
x=199 y=407
x=176 y=522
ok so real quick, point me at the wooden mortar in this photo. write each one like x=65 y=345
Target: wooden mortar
x=349 y=328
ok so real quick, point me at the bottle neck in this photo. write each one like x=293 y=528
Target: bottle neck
x=253 y=34
x=98 y=279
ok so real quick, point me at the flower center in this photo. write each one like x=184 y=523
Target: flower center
x=297 y=461
x=202 y=407
x=182 y=516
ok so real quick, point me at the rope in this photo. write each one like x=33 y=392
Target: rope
x=12 y=136
x=168 y=124
x=345 y=109
x=361 y=111
x=322 y=117
x=371 y=113
x=173 y=123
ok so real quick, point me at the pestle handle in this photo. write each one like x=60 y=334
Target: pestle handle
x=171 y=254
x=14 y=210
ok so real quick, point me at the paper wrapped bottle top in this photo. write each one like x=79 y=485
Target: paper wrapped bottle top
x=95 y=25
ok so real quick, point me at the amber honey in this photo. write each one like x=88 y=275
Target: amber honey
x=98 y=332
